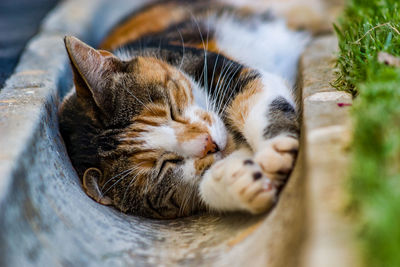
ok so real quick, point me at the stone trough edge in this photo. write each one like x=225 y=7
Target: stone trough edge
x=42 y=69
x=34 y=86
x=327 y=130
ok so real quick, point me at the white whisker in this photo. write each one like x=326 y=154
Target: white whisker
x=121 y=173
x=183 y=49
x=225 y=89
x=115 y=183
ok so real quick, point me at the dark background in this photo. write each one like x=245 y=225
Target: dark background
x=19 y=21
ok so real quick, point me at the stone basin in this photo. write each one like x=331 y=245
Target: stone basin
x=46 y=218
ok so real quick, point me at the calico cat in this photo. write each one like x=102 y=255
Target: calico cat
x=187 y=107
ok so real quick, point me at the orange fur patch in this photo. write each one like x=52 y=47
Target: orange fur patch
x=152 y=70
x=230 y=146
x=204 y=116
x=154 y=19
x=240 y=107
x=202 y=163
x=211 y=46
x=186 y=132
x=145 y=158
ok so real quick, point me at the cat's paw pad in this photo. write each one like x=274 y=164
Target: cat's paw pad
x=246 y=184
x=276 y=157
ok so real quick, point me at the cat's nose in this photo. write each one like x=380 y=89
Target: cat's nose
x=210 y=146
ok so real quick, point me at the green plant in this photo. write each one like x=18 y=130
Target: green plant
x=365 y=29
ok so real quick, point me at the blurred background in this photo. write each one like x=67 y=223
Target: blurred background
x=19 y=21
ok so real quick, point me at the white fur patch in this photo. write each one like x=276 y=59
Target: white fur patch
x=124 y=54
x=273 y=87
x=160 y=137
x=200 y=96
x=268 y=46
x=188 y=169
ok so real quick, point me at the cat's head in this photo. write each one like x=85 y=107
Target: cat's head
x=136 y=133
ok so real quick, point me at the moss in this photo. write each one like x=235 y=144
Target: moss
x=365 y=29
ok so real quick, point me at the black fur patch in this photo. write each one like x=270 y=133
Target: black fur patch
x=282 y=119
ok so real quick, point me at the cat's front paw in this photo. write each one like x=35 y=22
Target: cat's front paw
x=238 y=184
x=276 y=158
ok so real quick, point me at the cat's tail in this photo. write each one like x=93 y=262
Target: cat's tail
x=268 y=45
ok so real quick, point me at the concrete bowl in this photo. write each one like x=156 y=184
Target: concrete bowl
x=47 y=220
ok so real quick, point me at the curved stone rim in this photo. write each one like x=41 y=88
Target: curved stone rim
x=42 y=74
x=33 y=237
x=48 y=218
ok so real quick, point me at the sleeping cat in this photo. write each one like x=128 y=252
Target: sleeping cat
x=188 y=107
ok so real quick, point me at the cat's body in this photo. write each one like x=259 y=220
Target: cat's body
x=173 y=123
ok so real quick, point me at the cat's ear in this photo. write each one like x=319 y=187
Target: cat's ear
x=91 y=68
x=90 y=184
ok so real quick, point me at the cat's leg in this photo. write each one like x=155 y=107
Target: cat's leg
x=265 y=114
x=237 y=183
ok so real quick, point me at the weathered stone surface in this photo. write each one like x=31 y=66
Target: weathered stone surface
x=318 y=65
x=47 y=220
x=327 y=133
